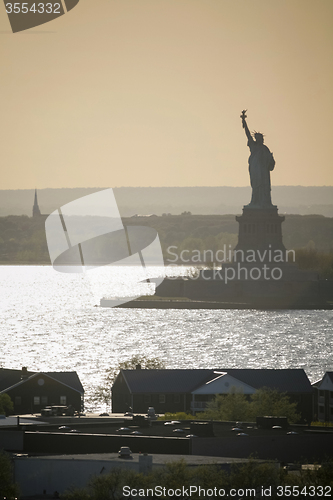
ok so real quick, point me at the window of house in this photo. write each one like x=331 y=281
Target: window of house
x=36 y=400
x=63 y=400
x=321 y=409
x=44 y=400
x=18 y=400
x=147 y=398
x=321 y=393
x=176 y=398
x=161 y=398
x=331 y=394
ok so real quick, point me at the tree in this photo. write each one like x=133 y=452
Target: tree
x=6 y=405
x=232 y=406
x=268 y=401
x=104 y=391
x=7 y=487
x=179 y=476
x=110 y=486
x=265 y=401
x=311 y=259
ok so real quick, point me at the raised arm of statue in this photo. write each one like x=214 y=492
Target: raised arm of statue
x=245 y=127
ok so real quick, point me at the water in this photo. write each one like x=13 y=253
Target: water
x=49 y=322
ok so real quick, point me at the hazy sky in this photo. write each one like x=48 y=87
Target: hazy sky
x=149 y=93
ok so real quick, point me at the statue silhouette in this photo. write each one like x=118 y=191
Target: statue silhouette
x=261 y=163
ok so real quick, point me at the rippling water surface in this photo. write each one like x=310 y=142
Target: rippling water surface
x=49 y=322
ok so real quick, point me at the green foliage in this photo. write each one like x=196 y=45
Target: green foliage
x=177 y=475
x=77 y=494
x=232 y=406
x=109 y=486
x=311 y=475
x=22 y=239
x=308 y=231
x=236 y=406
x=6 y=405
x=319 y=475
x=131 y=363
x=180 y=415
x=322 y=424
x=254 y=475
x=311 y=259
x=210 y=476
x=8 y=489
x=191 y=244
x=268 y=401
x=103 y=392
x=227 y=239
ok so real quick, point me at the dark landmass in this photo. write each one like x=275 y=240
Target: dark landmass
x=23 y=241
x=155 y=302
x=303 y=200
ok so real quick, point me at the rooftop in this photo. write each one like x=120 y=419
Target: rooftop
x=186 y=381
x=10 y=377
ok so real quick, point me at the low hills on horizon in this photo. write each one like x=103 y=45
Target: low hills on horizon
x=200 y=200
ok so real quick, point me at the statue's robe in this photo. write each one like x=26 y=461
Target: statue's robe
x=261 y=163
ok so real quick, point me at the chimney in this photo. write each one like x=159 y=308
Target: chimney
x=24 y=373
x=138 y=367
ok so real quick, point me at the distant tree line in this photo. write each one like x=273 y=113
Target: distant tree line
x=22 y=239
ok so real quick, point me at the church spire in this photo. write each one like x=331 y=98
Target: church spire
x=35 y=208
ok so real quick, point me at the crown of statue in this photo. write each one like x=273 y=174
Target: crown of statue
x=258 y=135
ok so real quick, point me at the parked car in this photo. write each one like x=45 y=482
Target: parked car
x=124 y=452
x=57 y=411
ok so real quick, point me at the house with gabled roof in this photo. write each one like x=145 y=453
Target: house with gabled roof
x=190 y=390
x=324 y=398
x=32 y=391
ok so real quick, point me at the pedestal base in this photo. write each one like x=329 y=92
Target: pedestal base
x=260 y=229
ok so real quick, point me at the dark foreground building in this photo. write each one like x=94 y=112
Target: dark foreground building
x=190 y=390
x=323 y=406
x=32 y=391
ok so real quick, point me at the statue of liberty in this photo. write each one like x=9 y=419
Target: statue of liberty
x=261 y=163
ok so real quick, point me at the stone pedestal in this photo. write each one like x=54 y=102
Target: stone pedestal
x=260 y=229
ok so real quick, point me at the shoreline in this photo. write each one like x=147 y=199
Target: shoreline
x=185 y=303
x=23 y=263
